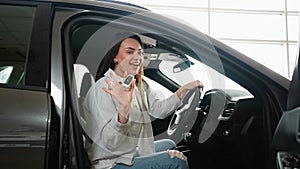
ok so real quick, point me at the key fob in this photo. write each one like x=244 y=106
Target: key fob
x=127 y=81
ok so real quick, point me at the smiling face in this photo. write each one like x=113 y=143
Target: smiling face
x=129 y=58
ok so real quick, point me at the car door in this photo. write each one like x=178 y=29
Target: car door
x=27 y=137
x=73 y=25
x=79 y=44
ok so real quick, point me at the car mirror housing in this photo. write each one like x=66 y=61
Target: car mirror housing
x=182 y=66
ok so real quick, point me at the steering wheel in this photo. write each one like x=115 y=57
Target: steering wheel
x=185 y=115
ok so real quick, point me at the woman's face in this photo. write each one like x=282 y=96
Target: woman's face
x=129 y=58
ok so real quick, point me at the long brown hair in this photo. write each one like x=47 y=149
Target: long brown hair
x=108 y=62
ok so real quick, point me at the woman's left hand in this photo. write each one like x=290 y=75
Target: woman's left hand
x=182 y=90
x=176 y=153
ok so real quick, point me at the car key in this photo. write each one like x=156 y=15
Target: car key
x=127 y=81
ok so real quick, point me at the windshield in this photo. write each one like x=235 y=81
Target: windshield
x=210 y=77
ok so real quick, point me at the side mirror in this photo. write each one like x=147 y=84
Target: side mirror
x=182 y=66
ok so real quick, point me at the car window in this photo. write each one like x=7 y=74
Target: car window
x=167 y=65
x=5 y=73
x=15 y=29
x=182 y=68
x=161 y=91
x=191 y=72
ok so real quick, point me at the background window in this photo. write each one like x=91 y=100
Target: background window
x=5 y=73
x=265 y=25
x=15 y=30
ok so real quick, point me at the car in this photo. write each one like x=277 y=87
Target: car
x=247 y=116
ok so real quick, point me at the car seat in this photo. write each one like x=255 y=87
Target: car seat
x=247 y=130
x=83 y=80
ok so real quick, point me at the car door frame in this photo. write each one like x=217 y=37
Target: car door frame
x=263 y=85
x=36 y=126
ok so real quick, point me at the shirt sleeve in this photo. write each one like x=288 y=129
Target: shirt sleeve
x=161 y=108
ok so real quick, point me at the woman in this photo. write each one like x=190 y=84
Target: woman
x=122 y=136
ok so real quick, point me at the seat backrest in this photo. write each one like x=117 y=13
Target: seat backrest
x=294 y=88
x=84 y=80
x=247 y=130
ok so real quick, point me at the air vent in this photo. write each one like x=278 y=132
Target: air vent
x=229 y=110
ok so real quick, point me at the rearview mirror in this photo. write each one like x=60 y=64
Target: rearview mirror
x=182 y=66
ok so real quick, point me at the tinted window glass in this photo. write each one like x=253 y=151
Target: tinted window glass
x=15 y=30
x=159 y=56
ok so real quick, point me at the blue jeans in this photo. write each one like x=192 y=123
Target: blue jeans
x=158 y=160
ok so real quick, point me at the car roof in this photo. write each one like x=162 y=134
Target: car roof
x=101 y=3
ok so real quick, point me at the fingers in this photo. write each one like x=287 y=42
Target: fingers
x=110 y=88
x=106 y=90
x=108 y=83
x=112 y=84
x=193 y=84
x=176 y=153
x=114 y=78
x=199 y=84
x=115 y=88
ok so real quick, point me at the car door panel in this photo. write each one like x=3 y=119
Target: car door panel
x=23 y=121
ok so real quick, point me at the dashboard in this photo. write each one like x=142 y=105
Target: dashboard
x=226 y=98
x=223 y=113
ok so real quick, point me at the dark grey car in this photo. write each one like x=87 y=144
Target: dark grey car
x=50 y=51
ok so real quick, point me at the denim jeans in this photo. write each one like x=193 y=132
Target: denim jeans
x=158 y=160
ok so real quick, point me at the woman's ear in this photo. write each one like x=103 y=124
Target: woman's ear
x=116 y=61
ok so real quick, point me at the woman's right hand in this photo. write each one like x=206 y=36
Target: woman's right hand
x=122 y=95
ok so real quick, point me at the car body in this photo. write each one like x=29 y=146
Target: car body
x=49 y=57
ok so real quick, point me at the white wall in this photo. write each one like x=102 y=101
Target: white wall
x=265 y=30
